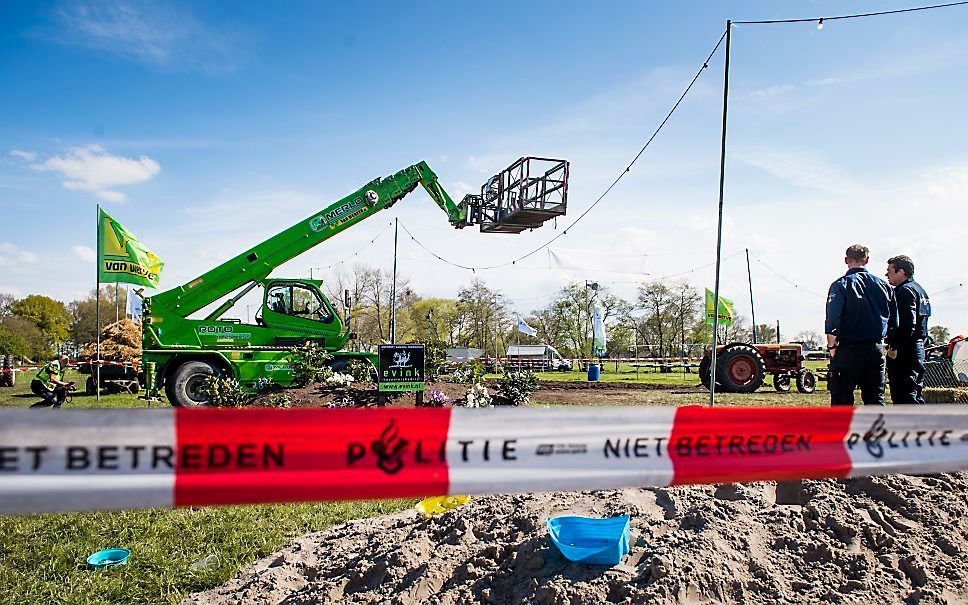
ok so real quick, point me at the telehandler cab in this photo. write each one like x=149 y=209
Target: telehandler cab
x=180 y=352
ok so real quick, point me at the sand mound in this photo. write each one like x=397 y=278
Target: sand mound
x=895 y=539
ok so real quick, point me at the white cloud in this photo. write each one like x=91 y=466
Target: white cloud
x=157 y=34
x=13 y=255
x=802 y=169
x=28 y=156
x=773 y=91
x=92 y=168
x=84 y=253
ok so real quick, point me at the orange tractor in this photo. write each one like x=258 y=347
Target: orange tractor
x=742 y=367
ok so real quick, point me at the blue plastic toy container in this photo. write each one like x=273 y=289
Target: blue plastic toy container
x=594 y=371
x=109 y=557
x=591 y=541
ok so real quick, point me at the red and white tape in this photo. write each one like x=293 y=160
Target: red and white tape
x=73 y=365
x=74 y=460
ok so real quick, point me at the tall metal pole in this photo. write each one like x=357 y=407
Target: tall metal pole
x=719 y=234
x=393 y=289
x=97 y=308
x=752 y=306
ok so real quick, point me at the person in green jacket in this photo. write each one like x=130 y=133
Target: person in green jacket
x=49 y=384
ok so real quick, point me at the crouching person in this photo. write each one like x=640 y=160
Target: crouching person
x=49 y=384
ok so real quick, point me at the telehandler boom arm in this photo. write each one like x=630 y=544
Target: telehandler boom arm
x=259 y=261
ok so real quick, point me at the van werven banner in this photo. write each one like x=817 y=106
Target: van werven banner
x=122 y=258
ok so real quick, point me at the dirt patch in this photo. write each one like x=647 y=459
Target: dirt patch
x=361 y=394
x=952 y=395
x=895 y=539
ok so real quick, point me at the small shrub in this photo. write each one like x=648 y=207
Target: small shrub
x=471 y=373
x=435 y=356
x=345 y=402
x=309 y=364
x=436 y=398
x=279 y=400
x=360 y=370
x=478 y=397
x=224 y=392
x=264 y=385
x=517 y=386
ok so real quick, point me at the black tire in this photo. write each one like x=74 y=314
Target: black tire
x=89 y=387
x=740 y=369
x=705 y=370
x=183 y=387
x=781 y=382
x=806 y=381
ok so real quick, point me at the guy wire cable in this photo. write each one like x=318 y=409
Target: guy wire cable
x=365 y=246
x=628 y=168
x=854 y=16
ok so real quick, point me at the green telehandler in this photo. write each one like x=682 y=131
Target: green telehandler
x=180 y=352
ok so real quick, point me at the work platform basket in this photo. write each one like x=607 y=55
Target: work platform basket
x=523 y=196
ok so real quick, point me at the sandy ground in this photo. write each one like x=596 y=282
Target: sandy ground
x=895 y=539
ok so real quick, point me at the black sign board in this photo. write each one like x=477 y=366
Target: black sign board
x=401 y=368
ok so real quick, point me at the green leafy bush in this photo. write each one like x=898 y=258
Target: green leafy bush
x=470 y=373
x=435 y=356
x=361 y=371
x=309 y=364
x=517 y=386
x=279 y=400
x=224 y=392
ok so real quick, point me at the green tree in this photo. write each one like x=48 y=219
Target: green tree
x=939 y=334
x=83 y=313
x=50 y=315
x=12 y=343
x=27 y=331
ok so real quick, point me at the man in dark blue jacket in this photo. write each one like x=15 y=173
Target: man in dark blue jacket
x=860 y=312
x=905 y=357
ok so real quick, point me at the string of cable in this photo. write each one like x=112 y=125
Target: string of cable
x=705 y=65
x=365 y=246
x=785 y=278
x=948 y=289
x=853 y=16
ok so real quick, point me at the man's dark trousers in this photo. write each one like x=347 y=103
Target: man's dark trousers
x=857 y=365
x=50 y=398
x=906 y=373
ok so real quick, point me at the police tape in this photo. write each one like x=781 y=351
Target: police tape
x=73 y=365
x=76 y=460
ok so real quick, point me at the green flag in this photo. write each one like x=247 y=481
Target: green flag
x=122 y=258
x=725 y=309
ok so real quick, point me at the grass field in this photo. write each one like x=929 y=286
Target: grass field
x=42 y=556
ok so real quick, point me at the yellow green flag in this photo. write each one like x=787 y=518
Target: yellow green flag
x=725 y=309
x=122 y=258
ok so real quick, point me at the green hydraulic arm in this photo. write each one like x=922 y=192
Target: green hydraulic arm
x=260 y=260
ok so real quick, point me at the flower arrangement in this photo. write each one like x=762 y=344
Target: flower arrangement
x=436 y=398
x=478 y=397
x=338 y=380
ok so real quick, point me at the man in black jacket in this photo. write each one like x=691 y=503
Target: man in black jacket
x=905 y=356
x=860 y=311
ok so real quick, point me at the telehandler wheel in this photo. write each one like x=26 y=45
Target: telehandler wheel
x=781 y=382
x=806 y=381
x=184 y=388
x=705 y=370
x=740 y=369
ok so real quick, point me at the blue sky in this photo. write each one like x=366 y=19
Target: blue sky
x=205 y=128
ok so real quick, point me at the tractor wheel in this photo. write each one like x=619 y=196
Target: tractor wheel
x=781 y=382
x=705 y=370
x=740 y=369
x=806 y=381
x=184 y=388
